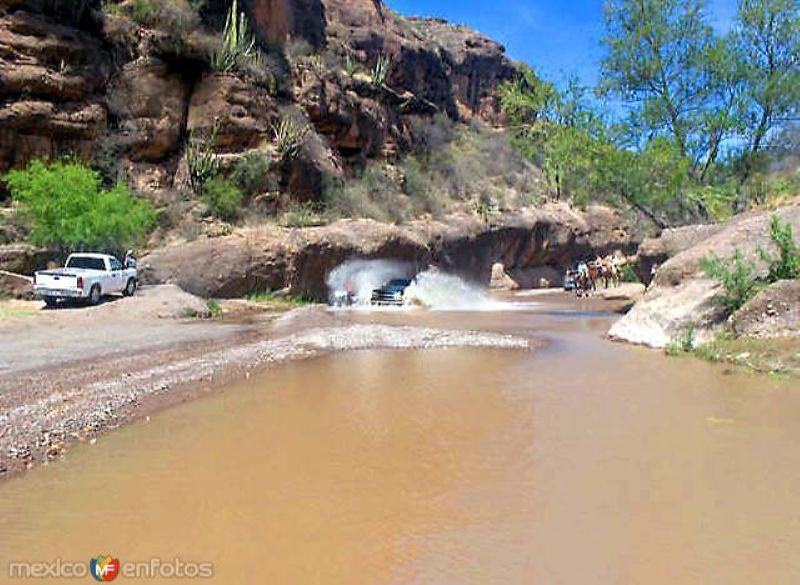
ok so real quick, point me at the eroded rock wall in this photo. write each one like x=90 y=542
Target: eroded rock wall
x=272 y=258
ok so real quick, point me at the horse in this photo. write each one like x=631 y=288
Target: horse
x=610 y=272
x=586 y=281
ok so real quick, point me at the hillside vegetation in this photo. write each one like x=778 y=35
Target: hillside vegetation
x=710 y=122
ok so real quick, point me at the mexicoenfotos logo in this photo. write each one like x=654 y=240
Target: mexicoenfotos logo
x=104 y=568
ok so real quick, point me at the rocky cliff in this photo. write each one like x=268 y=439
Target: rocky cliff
x=682 y=297
x=122 y=84
x=272 y=258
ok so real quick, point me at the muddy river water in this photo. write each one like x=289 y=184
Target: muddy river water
x=586 y=462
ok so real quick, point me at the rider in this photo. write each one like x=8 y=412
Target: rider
x=130 y=260
x=583 y=268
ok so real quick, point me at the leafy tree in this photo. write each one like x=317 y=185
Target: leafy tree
x=66 y=207
x=657 y=51
x=768 y=40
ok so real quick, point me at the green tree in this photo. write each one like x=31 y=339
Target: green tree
x=66 y=207
x=768 y=40
x=663 y=59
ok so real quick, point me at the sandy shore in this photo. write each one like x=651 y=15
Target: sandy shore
x=70 y=375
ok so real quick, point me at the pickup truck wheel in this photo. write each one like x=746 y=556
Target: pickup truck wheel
x=94 y=295
x=51 y=302
x=130 y=288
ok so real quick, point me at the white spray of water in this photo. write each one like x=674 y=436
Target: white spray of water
x=431 y=289
x=361 y=277
x=440 y=291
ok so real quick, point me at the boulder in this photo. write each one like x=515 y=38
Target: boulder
x=681 y=296
x=25 y=259
x=655 y=251
x=15 y=285
x=500 y=280
x=775 y=311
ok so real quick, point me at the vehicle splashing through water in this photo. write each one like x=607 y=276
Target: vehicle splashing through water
x=354 y=282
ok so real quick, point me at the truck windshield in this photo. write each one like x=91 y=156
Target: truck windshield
x=86 y=263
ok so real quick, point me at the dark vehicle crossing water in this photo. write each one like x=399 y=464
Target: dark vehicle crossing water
x=391 y=293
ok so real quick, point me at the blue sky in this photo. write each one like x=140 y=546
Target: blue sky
x=556 y=37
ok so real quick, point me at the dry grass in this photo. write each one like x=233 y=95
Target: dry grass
x=779 y=355
x=14 y=309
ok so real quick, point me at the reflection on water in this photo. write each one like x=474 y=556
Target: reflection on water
x=588 y=462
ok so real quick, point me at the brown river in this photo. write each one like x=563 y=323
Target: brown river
x=586 y=462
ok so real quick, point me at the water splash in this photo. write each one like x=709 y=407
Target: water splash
x=440 y=291
x=361 y=277
x=431 y=289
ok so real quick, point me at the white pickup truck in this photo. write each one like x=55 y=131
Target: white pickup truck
x=85 y=277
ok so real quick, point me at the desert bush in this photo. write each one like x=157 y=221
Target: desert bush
x=786 y=265
x=65 y=207
x=682 y=343
x=424 y=196
x=302 y=215
x=290 y=135
x=356 y=198
x=178 y=17
x=223 y=197
x=737 y=276
x=251 y=174
x=381 y=71
x=628 y=274
x=350 y=64
x=203 y=163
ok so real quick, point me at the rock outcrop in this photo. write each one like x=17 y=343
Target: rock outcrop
x=123 y=85
x=773 y=312
x=681 y=296
x=271 y=258
x=653 y=252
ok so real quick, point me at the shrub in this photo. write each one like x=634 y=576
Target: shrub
x=223 y=197
x=214 y=308
x=266 y=296
x=786 y=265
x=290 y=135
x=66 y=207
x=683 y=342
x=381 y=71
x=737 y=277
x=177 y=17
x=301 y=215
x=251 y=174
x=350 y=64
x=202 y=162
x=238 y=43
x=421 y=192
x=628 y=274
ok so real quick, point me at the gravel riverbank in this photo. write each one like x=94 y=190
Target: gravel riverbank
x=45 y=408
